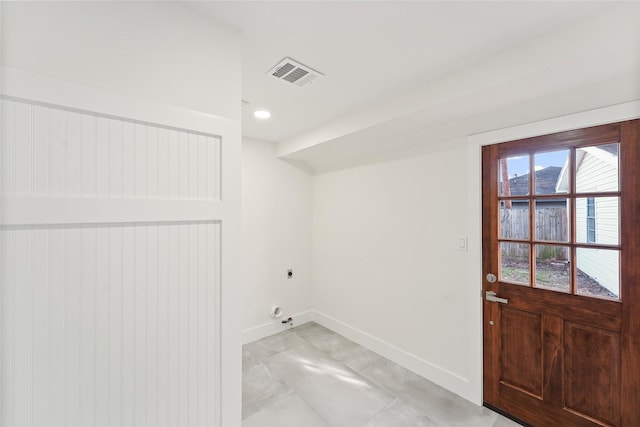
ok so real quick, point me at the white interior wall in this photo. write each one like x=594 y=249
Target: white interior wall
x=160 y=51
x=164 y=53
x=387 y=270
x=276 y=223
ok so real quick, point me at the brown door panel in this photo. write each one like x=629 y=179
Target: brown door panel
x=592 y=372
x=521 y=350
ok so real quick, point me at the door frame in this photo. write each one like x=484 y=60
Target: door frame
x=611 y=114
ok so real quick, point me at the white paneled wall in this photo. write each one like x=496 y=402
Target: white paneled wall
x=108 y=323
x=51 y=151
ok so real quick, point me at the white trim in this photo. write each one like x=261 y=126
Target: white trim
x=602 y=155
x=42 y=89
x=474 y=272
x=2 y=84
x=611 y=114
x=230 y=397
x=21 y=210
x=261 y=331
x=438 y=375
x=600 y=116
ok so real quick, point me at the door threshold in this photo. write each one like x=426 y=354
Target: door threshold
x=506 y=414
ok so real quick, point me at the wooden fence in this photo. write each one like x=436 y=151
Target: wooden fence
x=551 y=224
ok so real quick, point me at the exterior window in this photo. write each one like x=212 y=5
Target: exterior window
x=591 y=220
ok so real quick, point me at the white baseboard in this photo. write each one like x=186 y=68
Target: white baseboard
x=273 y=327
x=434 y=373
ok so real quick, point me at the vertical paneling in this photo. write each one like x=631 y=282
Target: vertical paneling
x=214 y=278
x=127 y=393
x=200 y=256
x=128 y=160
x=152 y=162
x=55 y=152
x=173 y=164
x=23 y=134
x=201 y=149
x=151 y=323
x=88 y=325
x=116 y=140
x=140 y=160
x=72 y=248
x=139 y=327
x=115 y=324
x=163 y=163
x=22 y=356
x=192 y=324
x=74 y=162
x=7 y=317
x=89 y=179
x=58 y=160
x=8 y=130
x=183 y=324
x=192 y=166
x=184 y=176
x=173 y=327
x=41 y=150
x=58 y=333
x=115 y=236
x=162 y=309
x=213 y=158
x=108 y=324
x=40 y=319
x=102 y=323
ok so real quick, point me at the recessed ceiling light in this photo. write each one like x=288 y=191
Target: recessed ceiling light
x=262 y=114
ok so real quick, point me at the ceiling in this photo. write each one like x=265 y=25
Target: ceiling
x=398 y=75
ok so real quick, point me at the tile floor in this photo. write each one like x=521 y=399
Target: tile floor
x=309 y=376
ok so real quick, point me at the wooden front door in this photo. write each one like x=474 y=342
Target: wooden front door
x=561 y=266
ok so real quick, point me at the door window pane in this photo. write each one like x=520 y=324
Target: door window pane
x=597 y=168
x=551 y=172
x=598 y=272
x=544 y=188
x=514 y=176
x=552 y=268
x=598 y=220
x=552 y=220
x=514 y=263
x=514 y=219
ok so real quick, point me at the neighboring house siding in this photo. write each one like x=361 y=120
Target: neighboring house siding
x=598 y=172
x=601 y=265
x=606 y=220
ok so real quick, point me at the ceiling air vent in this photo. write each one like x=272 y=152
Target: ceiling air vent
x=294 y=72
